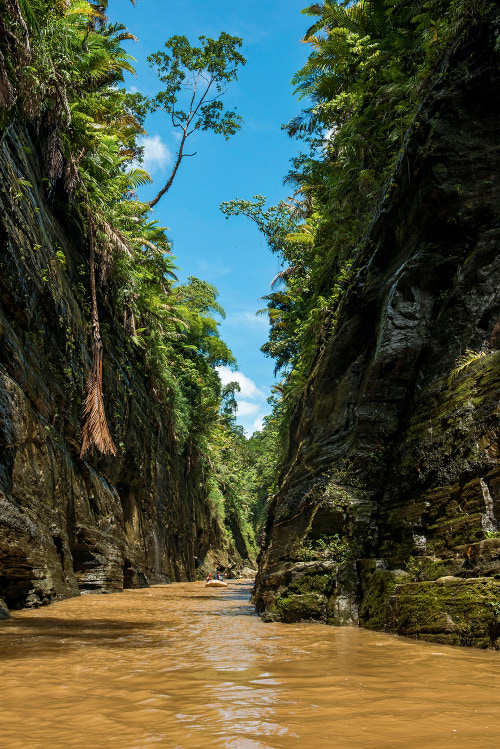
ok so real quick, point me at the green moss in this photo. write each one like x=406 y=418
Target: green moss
x=377 y=590
x=423 y=568
x=452 y=408
x=295 y=608
x=468 y=610
x=312 y=584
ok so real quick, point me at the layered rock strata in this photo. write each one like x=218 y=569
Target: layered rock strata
x=69 y=525
x=388 y=510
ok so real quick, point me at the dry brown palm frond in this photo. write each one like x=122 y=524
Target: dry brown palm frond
x=171 y=336
x=284 y=274
x=60 y=89
x=7 y=91
x=53 y=158
x=95 y=431
x=114 y=237
x=71 y=173
x=300 y=209
x=105 y=262
x=71 y=177
x=129 y=322
x=111 y=240
x=15 y=14
x=151 y=245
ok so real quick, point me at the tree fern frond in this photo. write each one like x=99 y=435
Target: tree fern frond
x=138 y=177
x=115 y=238
x=285 y=273
x=463 y=362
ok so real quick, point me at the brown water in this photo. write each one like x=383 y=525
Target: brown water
x=185 y=667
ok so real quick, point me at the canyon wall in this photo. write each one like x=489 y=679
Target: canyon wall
x=388 y=508
x=69 y=525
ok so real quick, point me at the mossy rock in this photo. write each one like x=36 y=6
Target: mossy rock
x=315 y=583
x=377 y=590
x=295 y=608
x=466 y=611
x=423 y=568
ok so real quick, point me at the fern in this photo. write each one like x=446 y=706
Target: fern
x=466 y=360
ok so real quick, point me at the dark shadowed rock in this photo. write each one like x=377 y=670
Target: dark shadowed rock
x=4 y=611
x=385 y=454
x=66 y=524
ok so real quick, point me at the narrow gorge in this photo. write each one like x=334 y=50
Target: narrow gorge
x=377 y=494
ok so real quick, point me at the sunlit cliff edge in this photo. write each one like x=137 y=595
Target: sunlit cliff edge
x=388 y=509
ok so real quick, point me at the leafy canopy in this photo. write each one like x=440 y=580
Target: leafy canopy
x=372 y=63
x=196 y=79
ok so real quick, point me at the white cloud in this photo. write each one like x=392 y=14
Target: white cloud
x=251 y=319
x=248 y=388
x=256 y=426
x=251 y=400
x=253 y=422
x=245 y=408
x=156 y=154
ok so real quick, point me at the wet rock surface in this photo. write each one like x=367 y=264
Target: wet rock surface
x=388 y=455
x=4 y=611
x=66 y=524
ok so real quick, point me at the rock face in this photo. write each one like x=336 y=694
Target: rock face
x=388 y=509
x=69 y=525
x=4 y=611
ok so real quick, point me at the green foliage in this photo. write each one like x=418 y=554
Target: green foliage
x=492 y=534
x=372 y=63
x=196 y=79
x=61 y=66
x=244 y=473
x=326 y=547
x=276 y=222
x=67 y=66
x=414 y=567
x=423 y=568
x=463 y=364
x=61 y=258
x=202 y=73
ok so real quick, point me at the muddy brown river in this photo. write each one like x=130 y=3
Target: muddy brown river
x=184 y=667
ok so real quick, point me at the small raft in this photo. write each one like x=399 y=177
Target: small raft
x=216 y=584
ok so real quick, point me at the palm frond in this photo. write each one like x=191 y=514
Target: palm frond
x=116 y=239
x=283 y=275
x=95 y=431
x=138 y=177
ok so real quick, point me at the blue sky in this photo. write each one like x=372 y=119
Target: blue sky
x=230 y=253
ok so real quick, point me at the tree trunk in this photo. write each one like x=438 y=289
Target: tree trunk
x=172 y=175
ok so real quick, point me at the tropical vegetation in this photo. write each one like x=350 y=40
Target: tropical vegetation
x=62 y=66
x=371 y=67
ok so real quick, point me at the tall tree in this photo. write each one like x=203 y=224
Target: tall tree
x=196 y=79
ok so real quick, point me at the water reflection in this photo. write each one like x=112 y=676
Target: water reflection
x=183 y=667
